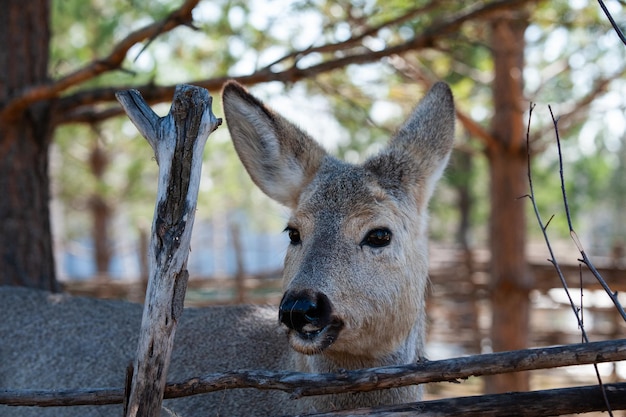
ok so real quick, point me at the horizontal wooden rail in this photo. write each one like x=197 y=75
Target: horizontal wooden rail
x=553 y=402
x=303 y=384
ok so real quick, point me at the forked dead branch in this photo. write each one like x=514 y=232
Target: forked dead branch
x=178 y=141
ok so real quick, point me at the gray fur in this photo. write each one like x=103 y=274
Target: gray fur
x=58 y=341
x=375 y=295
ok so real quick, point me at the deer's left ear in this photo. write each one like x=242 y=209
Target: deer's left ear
x=418 y=154
x=280 y=158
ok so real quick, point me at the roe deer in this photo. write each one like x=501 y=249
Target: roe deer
x=354 y=280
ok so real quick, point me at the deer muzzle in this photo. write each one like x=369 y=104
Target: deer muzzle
x=309 y=318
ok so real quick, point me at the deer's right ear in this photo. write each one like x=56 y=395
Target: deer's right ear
x=280 y=158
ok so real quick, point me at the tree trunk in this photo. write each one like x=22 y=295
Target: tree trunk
x=510 y=281
x=463 y=162
x=101 y=212
x=240 y=270
x=26 y=253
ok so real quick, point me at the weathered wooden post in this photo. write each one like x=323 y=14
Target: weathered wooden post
x=178 y=141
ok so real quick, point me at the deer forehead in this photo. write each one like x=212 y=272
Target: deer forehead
x=345 y=198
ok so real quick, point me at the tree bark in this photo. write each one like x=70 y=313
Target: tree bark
x=510 y=281
x=101 y=212
x=26 y=251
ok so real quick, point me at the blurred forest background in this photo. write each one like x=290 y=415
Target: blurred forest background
x=348 y=72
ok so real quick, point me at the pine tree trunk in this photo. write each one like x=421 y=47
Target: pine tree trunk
x=510 y=280
x=101 y=212
x=26 y=252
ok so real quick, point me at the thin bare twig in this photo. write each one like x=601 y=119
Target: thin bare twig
x=582 y=310
x=585 y=259
x=544 y=228
x=577 y=312
x=613 y=23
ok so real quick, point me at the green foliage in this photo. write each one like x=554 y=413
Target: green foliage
x=569 y=47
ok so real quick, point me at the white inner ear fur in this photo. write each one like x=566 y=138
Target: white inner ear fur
x=263 y=130
x=434 y=177
x=274 y=169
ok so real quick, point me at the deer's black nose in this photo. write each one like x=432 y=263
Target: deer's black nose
x=305 y=312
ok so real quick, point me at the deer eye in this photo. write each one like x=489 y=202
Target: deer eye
x=294 y=235
x=377 y=238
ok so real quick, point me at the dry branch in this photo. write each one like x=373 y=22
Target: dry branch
x=575 y=112
x=303 y=384
x=356 y=40
x=178 y=141
x=69 y=108
x=554 y=402
x=181 y=16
